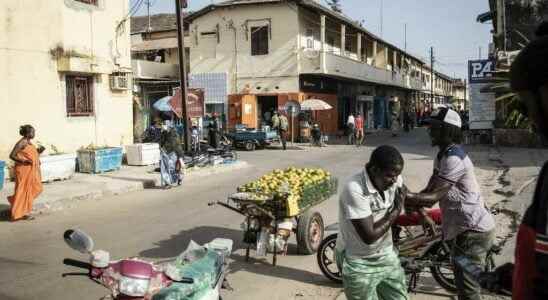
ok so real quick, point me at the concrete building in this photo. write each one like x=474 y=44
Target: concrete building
x=273 y=52
x=65 y=68
x=155 y=64
x=460 y=94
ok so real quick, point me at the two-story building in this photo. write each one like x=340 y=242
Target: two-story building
x=272 y=52
x=65 y=69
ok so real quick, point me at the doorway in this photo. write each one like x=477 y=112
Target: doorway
x=266 y=106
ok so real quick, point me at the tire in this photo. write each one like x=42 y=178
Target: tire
x=326 y=259
x=310 y=232
x=249 y=146
x=444 y=276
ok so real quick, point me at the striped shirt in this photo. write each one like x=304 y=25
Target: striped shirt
x=463 y=208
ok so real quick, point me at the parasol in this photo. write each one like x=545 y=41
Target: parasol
x=315 y=104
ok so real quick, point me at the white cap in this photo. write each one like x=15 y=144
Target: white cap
x=447 y=116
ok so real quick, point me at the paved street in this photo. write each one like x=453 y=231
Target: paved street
x=158 y=224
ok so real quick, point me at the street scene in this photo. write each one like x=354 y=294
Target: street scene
x=296 y=149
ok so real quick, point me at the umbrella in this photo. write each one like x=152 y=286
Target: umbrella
x=162 y=104
x=315 y=104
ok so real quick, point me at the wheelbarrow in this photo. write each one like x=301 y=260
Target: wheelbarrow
x=268 y=215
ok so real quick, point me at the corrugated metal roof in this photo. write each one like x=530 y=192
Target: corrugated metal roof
x=167 y=43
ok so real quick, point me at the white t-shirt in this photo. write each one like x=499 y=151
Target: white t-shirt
x=351 y=120
x=358 y=200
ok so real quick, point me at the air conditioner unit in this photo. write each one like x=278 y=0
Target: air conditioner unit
x=119 y=82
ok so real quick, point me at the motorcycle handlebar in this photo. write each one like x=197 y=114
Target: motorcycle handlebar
x=77 y=263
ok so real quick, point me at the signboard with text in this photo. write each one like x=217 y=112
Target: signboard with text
x=482 y=104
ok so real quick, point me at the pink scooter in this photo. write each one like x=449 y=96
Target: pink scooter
x=137 y=279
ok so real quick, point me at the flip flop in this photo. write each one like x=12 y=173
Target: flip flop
x=28 y=218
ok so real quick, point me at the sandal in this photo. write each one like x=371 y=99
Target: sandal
x=28 y=218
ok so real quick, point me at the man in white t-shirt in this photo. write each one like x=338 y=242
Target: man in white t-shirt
x=368 y=205
x=351 y=128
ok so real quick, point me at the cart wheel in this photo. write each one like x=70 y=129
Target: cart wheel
x=249 y=146
x=309 y=232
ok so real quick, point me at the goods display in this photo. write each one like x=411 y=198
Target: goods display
x=293 y=189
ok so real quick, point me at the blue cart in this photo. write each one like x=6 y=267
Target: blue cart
x=249 y=139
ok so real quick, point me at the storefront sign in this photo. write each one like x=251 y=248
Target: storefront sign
x=195 y=103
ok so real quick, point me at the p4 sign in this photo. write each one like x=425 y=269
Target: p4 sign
x=480 y=70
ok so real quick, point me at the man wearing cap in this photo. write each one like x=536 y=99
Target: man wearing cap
x=467 y=224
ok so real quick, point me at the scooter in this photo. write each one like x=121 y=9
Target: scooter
x=198 y=273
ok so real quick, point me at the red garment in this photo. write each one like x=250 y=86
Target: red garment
x=359 y=122
x=414 y=219
x=530 y=278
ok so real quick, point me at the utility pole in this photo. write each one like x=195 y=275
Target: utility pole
x=179 y=5
x=149 y=28
x=405 y=36
x=432 y=78
x=382 y=13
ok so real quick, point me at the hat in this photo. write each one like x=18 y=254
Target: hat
x=445 y=115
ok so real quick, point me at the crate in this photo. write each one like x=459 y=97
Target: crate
x=99 y=160
x=143 y=154
x=57 y=167
x=2 y=174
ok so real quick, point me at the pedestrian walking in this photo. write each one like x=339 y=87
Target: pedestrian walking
x=360 y=135
x=529 y=78
x=283 y=128
x=351 y=129
x=28 y=180
x=171 y=159
x=369 y=204
x=467 y=224
x=214 y=131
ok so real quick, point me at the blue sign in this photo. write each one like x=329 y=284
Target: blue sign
x=481 y=70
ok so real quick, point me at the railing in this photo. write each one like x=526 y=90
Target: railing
x=154 y=70
x=350 y=68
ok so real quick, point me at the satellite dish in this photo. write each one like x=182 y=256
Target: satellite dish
x=293 y=108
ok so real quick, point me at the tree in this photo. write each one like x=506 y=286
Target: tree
x=335 y=5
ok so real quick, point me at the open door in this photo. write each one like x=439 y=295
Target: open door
x=249 y=111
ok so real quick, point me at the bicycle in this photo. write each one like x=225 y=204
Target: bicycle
x=417 y=252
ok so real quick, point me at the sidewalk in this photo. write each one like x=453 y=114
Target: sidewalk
x=59 y=195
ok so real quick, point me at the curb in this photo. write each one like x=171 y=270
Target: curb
x=71 y=201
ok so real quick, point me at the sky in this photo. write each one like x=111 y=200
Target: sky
x=447 y=25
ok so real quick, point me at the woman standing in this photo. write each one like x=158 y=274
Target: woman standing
x=28 y=181
x=171 y=156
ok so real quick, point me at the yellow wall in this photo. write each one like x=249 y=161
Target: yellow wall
x=32 y=88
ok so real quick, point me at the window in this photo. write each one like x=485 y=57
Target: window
x=348 y=45
x=331 y=44
x=79 y=95
x=259 y=40
x=309 y=39
x=90 y=2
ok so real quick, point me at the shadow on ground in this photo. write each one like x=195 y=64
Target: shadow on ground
x=177 y=243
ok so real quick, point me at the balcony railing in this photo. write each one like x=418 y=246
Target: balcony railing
x=353 y=69
x=154 y=70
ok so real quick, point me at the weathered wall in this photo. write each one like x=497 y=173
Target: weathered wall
x=273 y=73
x=33 y=90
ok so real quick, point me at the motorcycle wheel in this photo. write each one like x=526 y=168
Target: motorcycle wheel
x=326 y=259
x=442 y=270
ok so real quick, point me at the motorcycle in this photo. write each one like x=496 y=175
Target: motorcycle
x=417 y=251
x=198 y=273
